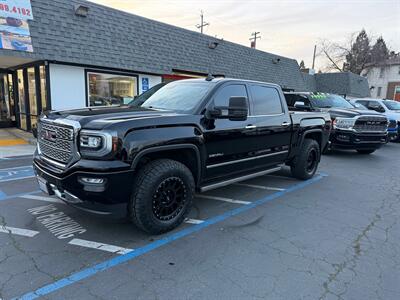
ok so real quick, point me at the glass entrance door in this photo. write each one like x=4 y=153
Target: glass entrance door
x=7 y=116
x=22 y=101
x=31 y=95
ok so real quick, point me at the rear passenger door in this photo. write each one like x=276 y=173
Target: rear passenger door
x=273 y=123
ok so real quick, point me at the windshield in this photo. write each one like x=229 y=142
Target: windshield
x=145 y=95
x=178 y=96
x=392 y=105
x=322 y=100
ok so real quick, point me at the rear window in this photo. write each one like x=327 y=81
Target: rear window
x=266 y=100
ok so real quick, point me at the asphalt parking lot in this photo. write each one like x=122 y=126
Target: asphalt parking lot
x=336 y=236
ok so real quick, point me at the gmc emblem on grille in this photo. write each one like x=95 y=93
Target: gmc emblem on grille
x=49 y=135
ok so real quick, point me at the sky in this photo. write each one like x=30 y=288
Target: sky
x=289 y=27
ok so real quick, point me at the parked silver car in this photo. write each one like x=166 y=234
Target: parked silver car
x=390 y=108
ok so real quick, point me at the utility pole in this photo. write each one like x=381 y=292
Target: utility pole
x=313 y=58
x=254 y=38
x=202 y=23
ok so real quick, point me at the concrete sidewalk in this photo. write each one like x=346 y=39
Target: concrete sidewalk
x=15 y=142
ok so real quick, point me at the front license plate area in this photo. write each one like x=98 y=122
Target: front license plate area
x=43 y=185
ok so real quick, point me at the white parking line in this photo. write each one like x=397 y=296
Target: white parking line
x=41 y=198
x=18 y=231
x=99 y=246
x=193 y=221
x=16 y=168
x=223 y=199
x=270 y=188
x=19 y=178
x=280 y=177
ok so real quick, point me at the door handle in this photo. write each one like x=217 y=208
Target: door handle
x=285 y=124
x=251 y=127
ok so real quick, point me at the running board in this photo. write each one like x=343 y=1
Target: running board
x=237 y=179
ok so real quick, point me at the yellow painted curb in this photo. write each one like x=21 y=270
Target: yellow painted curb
x=12 y=142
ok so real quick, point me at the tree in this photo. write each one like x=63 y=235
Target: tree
x=302 y=65
x=379 y=51
x=354 y=55
x=359 y=54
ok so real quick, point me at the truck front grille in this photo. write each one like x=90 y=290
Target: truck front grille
x=56 y=141
x=371 y=124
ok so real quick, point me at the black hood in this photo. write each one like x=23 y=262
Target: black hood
x=350 y=112
x=98 y=118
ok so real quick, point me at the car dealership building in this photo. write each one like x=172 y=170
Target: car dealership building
x=71 y=54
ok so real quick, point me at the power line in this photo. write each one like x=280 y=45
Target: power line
x=202 y=23
x=253 y=39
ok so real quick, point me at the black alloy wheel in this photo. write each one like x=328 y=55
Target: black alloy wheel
x=306 y=163
x=169 y=199
x=312 y=161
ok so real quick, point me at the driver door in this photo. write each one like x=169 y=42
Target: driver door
x=228 y=142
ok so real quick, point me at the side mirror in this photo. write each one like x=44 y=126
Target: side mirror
x=236 y=111
x=301 y=105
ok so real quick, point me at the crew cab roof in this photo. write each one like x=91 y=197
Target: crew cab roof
x=223 y=79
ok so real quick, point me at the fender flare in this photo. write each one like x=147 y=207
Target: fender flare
x=306 y=132
x=155 y=149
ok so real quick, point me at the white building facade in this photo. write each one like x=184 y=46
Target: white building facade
x=384 y=79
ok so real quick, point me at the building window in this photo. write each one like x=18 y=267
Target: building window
x=379 y=91
x=110 y=89
x=397 y=93
x=381 y=72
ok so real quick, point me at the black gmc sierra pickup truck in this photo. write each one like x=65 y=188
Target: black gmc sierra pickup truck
x=192 y=135
x=352 y=128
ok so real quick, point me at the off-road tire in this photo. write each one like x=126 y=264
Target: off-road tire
x=363 y=151
x=148 y=181
x=301 y=168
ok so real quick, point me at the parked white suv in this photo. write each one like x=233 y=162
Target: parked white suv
x=390 y=108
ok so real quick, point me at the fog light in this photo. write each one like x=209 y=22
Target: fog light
x=92 y=180
x=97 y=185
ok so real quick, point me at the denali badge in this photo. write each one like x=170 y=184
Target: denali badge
x=49 y=135
x=216 y=155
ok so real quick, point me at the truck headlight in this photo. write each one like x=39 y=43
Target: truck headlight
x=96 y=143
x=344 y=123
x=91 y=141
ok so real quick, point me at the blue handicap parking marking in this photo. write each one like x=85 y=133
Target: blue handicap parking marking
x=16 y=173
